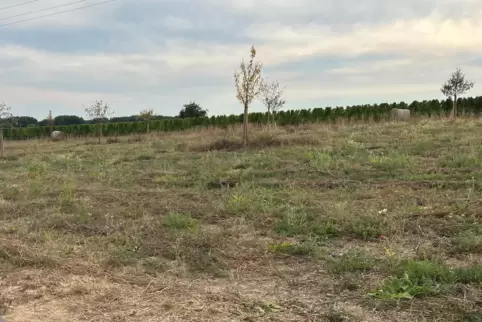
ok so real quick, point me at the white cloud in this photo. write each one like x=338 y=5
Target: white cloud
x=413 y=38
x=177 y=23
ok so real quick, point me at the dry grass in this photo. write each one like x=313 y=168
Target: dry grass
x=365 y=222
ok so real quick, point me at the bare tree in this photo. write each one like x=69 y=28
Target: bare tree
x=271 y=96
x=99 y=111
x=146 y=115
x=456 y=86
x=248 y=82
x=5 y=113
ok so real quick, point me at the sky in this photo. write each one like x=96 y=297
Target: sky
x=162 y=54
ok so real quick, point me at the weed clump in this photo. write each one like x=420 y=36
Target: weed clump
x=179 y=222
x=468 y=242
x=425 y=278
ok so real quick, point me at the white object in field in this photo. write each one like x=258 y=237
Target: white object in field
x=400 y=114
x=57 y=136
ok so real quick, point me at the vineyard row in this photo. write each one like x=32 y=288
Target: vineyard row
x=377 y=112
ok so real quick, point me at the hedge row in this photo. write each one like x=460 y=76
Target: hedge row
x=377 y=112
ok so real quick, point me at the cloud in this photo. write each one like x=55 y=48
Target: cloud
x=164 y=53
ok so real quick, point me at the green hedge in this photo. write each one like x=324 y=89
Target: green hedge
x=466 y=106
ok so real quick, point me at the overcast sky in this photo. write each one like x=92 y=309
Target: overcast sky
x=161 y=54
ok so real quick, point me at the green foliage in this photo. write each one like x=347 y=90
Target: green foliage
x=456 y=85
x=468 y=242
x=425 y=278
x=471 y=106
x=24 y=121
x=405 y=288
x=179 y=221
x=192 y=110
x=299 y=224
x=68 y=120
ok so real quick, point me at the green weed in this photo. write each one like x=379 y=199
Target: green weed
x=179 y=221
x=425 y=278
x=296 y=223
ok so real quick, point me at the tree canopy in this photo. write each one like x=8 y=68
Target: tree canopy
x=192 y=109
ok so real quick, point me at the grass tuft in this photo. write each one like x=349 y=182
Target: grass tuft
x=179 y=221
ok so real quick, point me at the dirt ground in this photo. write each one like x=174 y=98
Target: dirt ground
x=363 y=222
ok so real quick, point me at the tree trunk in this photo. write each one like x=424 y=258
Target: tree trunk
x=2 y=151
x=147 y=128
x=245 y=127
x=270 y=117
x=100 y=132
x=454 y=107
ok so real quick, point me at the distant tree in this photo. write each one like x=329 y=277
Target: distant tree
x=192 y=110
x=248 y=86
x=124 y=119
x=68 y=120
x=146 y=116
x=455 y=87
x=25 y=121
x=271 y=96
x=99 y=112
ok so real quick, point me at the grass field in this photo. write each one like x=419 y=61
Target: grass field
x=375 y=222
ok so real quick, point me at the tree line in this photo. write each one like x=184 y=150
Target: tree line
x=192 y=109
x=470 y=106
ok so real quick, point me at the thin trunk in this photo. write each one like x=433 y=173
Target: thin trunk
x=100 y=132
x=147 y=129
x=245 y=126
x=454 y=107
x=269 y=117
x=2 y=151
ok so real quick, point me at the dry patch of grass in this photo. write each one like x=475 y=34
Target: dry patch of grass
x=369 y=222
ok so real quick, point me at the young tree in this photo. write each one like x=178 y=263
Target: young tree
x=456 y=86
x=146 y=115
x=99 y=111
x=248 y=82
x=192 y=110
x=4 y=114
x=271 y=96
